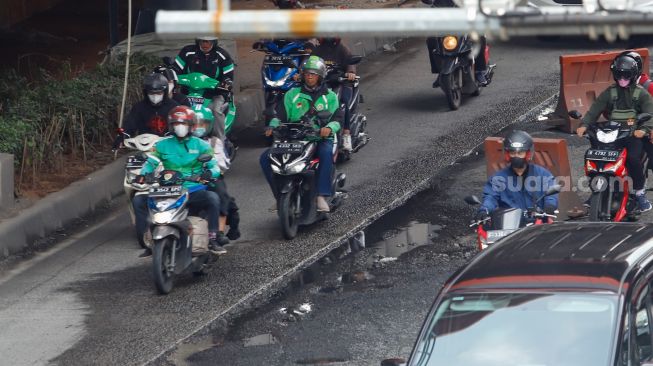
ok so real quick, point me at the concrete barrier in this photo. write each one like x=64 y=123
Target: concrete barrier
x=6 y=181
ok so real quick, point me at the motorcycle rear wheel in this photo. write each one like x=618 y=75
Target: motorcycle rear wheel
x=161 y=259
x=451 y=90
x=287 y=214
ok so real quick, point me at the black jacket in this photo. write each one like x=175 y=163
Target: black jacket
x=216 y=64
x=145 y=118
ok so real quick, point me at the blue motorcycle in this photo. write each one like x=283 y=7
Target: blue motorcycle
x=279 y=67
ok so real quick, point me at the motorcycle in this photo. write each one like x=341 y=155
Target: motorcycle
x=612 y=198
x=358 y=121
x=180 y=240
x=505 y=221
x=277 y=76
x=294 y=167
x=455 y=62
x=142 y=144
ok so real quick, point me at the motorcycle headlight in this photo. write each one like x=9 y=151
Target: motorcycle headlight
x=166 y=204
x=162 y=217
x=295 y=167
x=450 y=43
x=275 y=169
x=607 y=137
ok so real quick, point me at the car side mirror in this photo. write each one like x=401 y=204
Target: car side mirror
x=167 y=60
x=575 y=114
x=643 y=117
x=204 y=158
x=393 y=362
x=553 y=190
x=355 y=60
x=472 y=200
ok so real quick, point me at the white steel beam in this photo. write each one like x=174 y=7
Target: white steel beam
x=405 y=22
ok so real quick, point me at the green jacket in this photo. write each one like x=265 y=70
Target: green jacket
x=620 y=101
x=181 y=155
x=297 y=103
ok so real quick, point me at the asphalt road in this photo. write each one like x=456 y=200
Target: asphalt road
x=91 y=300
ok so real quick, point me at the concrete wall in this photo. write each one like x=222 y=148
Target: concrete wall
x=6 y=181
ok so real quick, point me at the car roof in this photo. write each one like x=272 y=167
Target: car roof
x=560 y=256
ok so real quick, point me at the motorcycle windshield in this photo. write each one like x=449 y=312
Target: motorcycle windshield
x=506 y=218
x=196 y=81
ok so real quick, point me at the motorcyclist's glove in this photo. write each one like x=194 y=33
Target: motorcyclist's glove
x=206 y=176
x=481 y=214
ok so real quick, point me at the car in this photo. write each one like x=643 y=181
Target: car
x=569 y=293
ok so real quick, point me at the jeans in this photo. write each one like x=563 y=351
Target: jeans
x=346 y=93
x=633 y=162
x=197 y=201
x=324 y=170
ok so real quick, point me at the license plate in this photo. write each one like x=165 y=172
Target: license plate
x=196 y=100
x=602 y=155
x=276 y=59
x=493 y=235
x=167 y=191
x=134 y=163
x=287 y=148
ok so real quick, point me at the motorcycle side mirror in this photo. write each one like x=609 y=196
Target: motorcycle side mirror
x=553 y=190
x=643 y=117
x=355 y=60
x=258 y=46
x=204 y=158
x=472 y=200
x=167 y=60
x=289 y=63
x=393 y=362
x=575 y=114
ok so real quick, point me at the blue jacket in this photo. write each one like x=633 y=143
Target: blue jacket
x=505 y=189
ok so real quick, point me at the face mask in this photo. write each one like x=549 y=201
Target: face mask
x=518 y=163
x=199 y=132
x=181 y=130
x=623 y=83
x=155 y=98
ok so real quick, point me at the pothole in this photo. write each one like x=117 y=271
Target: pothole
x=260 y=340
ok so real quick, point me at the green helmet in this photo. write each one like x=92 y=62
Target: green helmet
x=315 y=65
x=203 y=124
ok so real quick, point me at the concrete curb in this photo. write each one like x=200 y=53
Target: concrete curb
x=60 y=209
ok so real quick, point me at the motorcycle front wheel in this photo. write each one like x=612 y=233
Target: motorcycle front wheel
x=451 y=89
x=162 y=265
x=599 y=208
x=288 y=213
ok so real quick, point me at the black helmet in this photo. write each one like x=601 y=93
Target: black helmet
x=518 y=141
x=625 y=66
x=155 y=82
x=212 y=39
x=169 y=73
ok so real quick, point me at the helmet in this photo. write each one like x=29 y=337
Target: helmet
x=625 y=67
x=315 y=65
x=635 y=56
x=330 y=41
x=167 y=72
x=203 y=123
x=155 y=83
x=518 y=141
x=181 y=114
x=212 y=39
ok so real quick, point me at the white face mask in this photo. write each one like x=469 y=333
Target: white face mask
x=155 y=98
x=181 y=130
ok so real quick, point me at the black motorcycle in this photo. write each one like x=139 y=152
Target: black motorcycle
x=454 y=60
x=294 y=166
x=358 y=121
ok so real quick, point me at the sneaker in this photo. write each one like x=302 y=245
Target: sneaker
x=233 y=234
x=322 y=204
x=215 y=248
x=221 y=239
x=480 y=78
x=436 y=83
x=346 y=142
x=643 y=203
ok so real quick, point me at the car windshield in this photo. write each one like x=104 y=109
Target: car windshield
x=519 y=330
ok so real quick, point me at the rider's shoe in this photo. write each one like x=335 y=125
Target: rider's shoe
x=322 y=204
x=480 y=78
x=436 y=83
x=216 y=248
x=233 y=234
x=221 y=239
x=643 y=203
x=346 y=142
x=146 y=253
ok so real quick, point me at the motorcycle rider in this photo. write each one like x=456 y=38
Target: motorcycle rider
x=206 y=57
x=480 y=60
x=173 y=88
x=228 y=208
x=150 y=114
x=623 y=101
x=303 y=101
x=334 y=51
x=521 y=183
x=180 y=152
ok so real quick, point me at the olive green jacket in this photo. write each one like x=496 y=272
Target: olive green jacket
x=625 y=100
